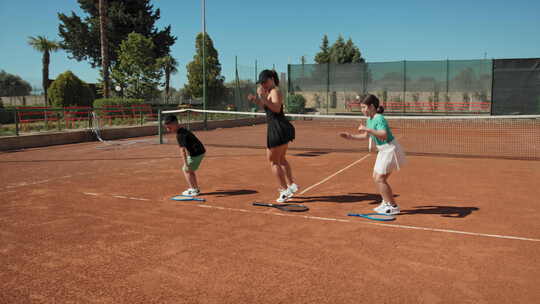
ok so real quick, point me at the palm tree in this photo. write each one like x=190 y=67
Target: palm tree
x=169 y=66
x=104 y=46
x=45 y=46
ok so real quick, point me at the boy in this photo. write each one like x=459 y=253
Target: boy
x=192 y=152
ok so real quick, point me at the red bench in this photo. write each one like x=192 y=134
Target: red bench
x=143 y=111
x=113 y=112
x=26 y=115
x=411 y=106
x=75 y=114
x=351 y=105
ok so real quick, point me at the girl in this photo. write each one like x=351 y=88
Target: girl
x=390 y=156
x=279 y=132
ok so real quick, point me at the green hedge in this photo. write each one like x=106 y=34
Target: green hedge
x=68 y=90
x=296 y=104
x=6 y=114
x=116 y=101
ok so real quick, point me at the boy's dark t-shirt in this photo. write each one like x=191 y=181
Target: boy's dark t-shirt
x=188 y=140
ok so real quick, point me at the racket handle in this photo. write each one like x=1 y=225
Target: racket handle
x=262 y=204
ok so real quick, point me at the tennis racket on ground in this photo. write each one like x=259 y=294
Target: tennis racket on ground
x=375 y=216
x=284 y=207
x=185 y=198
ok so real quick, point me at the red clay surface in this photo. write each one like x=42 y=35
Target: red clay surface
x=81 y=225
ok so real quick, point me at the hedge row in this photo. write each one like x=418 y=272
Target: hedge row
x=116 y=101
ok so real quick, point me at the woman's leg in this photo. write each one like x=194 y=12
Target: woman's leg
x=286 y=167
x=274 y=156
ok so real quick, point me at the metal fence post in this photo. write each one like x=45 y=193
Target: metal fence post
x=16 y=116
x=160 y=131
x=46 y=120
x=289 y=93
x=404 y=86
x=327 y=87
x=491 y=111
x=58 y=116
x=447 y=97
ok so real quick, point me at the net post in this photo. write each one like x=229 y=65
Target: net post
x=189 y=119
x=160 y=131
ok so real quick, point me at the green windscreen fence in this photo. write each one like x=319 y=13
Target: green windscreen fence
x=237 y=87
x=415 y=87
x=244 y=85
x=516 y=86
x=229 y=92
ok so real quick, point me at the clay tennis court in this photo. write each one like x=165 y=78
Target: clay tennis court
x=84 y=225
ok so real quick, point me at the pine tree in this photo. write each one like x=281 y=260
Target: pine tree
x=214 y=80
x=324 y=55
x=338 y=51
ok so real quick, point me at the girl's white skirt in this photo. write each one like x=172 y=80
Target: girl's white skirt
x=390 y=157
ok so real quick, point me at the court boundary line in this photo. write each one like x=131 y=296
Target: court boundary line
x=39 y=182
x=336 y=173
x=499 y=236
x=116 y=196
x=333 y=219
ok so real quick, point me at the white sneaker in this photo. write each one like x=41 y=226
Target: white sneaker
x=379 y=208
x=284 y=196
x=191 y=192
x=389 y=209
x=293 y=188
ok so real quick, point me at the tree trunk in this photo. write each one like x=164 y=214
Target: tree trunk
x=45 y=75
x=104 y=46
x=167 y=80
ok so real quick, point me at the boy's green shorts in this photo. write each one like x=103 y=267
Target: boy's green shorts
x=193 y=163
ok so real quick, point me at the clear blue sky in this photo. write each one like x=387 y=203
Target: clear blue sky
x=282 y=31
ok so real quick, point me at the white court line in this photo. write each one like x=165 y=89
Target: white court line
x=331 y=219
x=23 y=184
x=329 y=177
x=117 y=196
x=498 y=236
x=138 y=199
x=326 y=179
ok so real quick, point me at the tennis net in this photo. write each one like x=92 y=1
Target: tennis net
x=512 y=137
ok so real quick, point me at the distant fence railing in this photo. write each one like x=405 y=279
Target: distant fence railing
x=17 y=120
